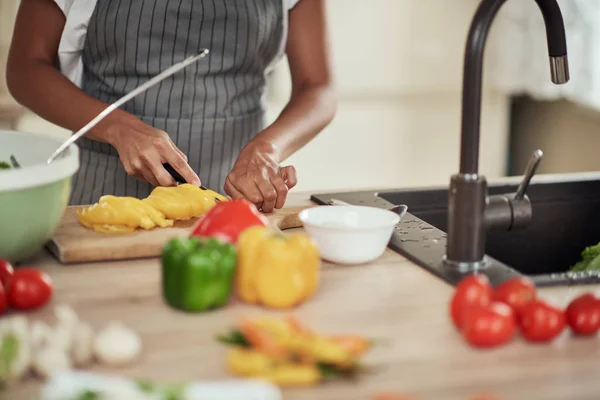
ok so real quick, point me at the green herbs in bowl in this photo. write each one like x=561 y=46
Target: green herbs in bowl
x=33 y=194
x=13 y=161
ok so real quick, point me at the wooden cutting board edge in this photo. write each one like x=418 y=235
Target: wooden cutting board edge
x=66 y=254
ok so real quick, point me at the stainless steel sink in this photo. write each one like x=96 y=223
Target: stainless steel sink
x=566 y=219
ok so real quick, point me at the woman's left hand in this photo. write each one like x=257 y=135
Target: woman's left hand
x=257 y=176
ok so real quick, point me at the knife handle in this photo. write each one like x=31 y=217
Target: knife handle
x=178 y=178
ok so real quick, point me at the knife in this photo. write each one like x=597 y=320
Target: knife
x=177 y=176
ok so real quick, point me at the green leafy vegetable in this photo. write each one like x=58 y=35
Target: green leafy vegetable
x=167 y=392
x=146 y=386
x=4 y=165
x=88 y=395
x=173 y=392
x=234 y=338
x=590 y=259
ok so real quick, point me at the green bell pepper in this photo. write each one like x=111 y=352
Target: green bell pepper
x=197 y=273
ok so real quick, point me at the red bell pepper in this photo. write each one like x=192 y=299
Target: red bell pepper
x=228 y=219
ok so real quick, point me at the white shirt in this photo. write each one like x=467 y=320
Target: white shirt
x=78 y=14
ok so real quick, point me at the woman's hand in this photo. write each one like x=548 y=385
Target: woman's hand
x=143 y=150
x=256 y=176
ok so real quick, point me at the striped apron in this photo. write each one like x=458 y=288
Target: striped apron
x=210 y=110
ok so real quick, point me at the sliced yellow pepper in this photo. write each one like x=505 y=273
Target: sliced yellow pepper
x=277 y=337
x=247 y=362
x=121 y=215
x=276 y=270
x=254 y=364
x=183 y=202
x=294 y=375
x=318 y=348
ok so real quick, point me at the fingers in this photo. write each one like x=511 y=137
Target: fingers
x=181 y=153
x=136 y=168
x=231 y=190
x=148 y=176
x=268 y=194
x=242 y=184
x=179 y=162
x=281 y=190
x=289 y=176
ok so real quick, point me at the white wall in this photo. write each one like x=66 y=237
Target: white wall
x=399 y=71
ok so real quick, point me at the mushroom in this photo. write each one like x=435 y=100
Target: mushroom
x=51 y=360
x=61 y=337
x=117 y=345
x=82 y=345
x=40 y=334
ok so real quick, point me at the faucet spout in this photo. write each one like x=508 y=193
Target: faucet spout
x=473 y=70
x=471 y=212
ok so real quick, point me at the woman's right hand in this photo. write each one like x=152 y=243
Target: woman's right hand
x=144 y=149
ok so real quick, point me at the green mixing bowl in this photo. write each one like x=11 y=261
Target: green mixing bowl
x=33 y=198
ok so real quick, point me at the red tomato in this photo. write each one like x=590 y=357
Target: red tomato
x=489 y=326
x=3 y=304
x=472 y=291
x=29 y=289
x=6 y=272
x=540 y=321
x=228 y=219
x=583 y=315
x=515 y=292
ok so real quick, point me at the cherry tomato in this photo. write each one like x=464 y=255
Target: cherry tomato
x=540 y=321
x=489 y=326
x=6 y=272
x=583 y=315
x=472 y=291
x=3 y=303
x=515 y=292
x=29 y=289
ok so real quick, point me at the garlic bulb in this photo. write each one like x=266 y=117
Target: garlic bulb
x=117 y=345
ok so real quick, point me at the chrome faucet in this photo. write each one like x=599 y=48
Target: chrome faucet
x=471 y=212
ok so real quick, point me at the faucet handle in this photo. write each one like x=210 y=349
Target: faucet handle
x=532 y=165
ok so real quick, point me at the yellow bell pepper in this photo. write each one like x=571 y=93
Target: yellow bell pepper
x=248 y=362
x=254 y=364
x=121 y=215
x=276 y=270
x=183 y=202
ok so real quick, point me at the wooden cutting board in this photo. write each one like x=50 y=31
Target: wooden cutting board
x=73 y=243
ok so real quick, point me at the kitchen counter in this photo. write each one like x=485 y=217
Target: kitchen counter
x=390 y=299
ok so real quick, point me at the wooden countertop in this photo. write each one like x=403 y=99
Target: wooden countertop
x=391 y=298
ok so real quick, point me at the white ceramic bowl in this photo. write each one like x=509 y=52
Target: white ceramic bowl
x=349 y=234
